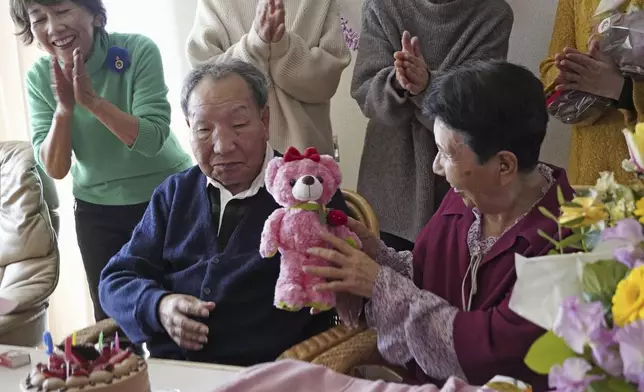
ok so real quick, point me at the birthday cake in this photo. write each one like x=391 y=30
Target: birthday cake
x=84 y=368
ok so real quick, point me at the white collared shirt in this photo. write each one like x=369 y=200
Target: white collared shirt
x=224 y=194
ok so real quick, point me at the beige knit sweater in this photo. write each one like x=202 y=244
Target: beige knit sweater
x=304 y=67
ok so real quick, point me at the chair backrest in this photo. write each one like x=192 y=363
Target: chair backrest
x=361 y=210
x=29 y=245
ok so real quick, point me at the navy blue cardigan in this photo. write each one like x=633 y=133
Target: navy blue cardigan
x=174 y=250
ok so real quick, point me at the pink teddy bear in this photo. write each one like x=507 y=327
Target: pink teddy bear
x=302 y=185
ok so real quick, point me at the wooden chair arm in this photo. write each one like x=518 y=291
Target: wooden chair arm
x=358 y=356
x=320 y=343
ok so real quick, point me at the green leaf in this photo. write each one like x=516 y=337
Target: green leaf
x=547 y=213
x=611 y=384
x=547 y=237
x=573 y=222
x=547 y=351
x=572 y=240
x=600 y=279
x=572 y=205
x=503 y=387
x=560 y=196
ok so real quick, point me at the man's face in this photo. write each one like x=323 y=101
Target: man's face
x=229 y=131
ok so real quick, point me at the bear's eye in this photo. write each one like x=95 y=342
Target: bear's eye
x=321 y=180
x=293 y=182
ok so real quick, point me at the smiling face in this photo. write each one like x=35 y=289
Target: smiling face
x=62 y=27
x=229 y=131
x=476 y=183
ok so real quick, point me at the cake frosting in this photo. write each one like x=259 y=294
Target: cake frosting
x=88 y=369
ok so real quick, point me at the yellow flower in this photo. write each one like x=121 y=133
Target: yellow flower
x=635 y=144
x=582 y=212
x=628 y=301
x=639 y=209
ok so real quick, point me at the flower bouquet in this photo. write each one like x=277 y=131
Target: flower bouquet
x=590 y=295
x=620 y=36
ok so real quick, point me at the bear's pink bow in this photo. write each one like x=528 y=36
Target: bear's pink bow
x=292 y=154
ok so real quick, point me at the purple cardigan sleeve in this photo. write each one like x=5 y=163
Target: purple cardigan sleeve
x=349 y=307
x=410 y=323
x=413 y=324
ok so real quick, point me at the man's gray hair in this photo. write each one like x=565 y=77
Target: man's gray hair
x=222 y=68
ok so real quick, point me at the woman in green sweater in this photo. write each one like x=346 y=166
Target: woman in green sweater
x=102 y=99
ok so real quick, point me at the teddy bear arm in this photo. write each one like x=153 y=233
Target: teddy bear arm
x=270 y=234
x=346 y=234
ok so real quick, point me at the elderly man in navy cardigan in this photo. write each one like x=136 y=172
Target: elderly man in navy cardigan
x=191 y=283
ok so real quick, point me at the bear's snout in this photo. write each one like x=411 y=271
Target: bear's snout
x=307 y=188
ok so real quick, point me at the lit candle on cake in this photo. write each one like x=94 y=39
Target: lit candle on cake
x=117 y=345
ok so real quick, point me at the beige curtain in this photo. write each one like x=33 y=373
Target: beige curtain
x=70 y=307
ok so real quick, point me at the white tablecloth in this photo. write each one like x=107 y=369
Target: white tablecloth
x=165 y=376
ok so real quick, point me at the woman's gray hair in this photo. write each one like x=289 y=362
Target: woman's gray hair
x=221 y=68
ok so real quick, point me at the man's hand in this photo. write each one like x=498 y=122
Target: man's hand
x=176 y=312
x=411 y=70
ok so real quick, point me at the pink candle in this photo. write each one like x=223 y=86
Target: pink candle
x=68 y=355
x=117 y=346
x=68 y=349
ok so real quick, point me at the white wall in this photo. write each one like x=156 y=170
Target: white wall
x=529 y=42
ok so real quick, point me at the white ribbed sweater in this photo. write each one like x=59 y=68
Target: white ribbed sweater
x=304 y=67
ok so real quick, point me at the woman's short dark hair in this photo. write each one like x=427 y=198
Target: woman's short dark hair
x=496 y=105
x=19 y=10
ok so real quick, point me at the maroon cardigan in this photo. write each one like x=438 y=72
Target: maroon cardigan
x=490 y=339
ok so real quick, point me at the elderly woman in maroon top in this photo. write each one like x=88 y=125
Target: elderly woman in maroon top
x=443 y=311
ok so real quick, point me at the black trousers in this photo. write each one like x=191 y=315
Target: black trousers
x=101 y=231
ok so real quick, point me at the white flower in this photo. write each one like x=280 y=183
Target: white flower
x=606 y=183
x=629 y=166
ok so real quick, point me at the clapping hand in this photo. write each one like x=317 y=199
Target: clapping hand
x=269 y=20
x=411 y=70
x=176 y=312
x=593 y=73
x=62 y=85
x=83 y=90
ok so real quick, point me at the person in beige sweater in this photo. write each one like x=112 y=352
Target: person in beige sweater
x=298 y=44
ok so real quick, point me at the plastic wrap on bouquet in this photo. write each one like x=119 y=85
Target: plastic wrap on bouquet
x=544 y=282
x=572 y=107
x=621 y=37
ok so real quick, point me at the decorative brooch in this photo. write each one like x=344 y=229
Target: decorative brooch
x=118 y=59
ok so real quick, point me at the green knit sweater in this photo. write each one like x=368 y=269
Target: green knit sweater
x=105 y=170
